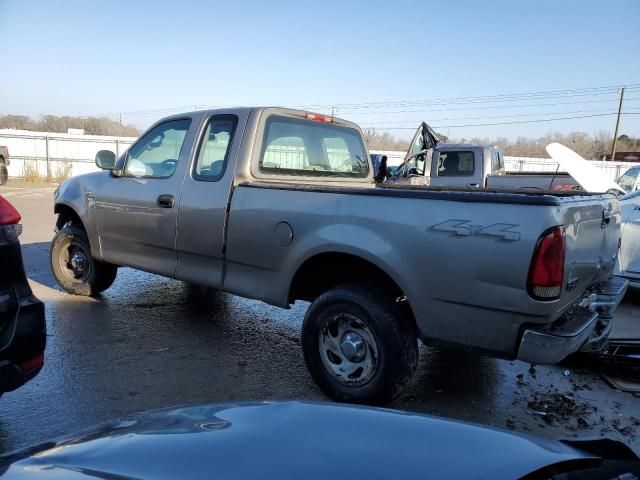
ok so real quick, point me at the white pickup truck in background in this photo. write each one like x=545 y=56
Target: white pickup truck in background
x=432 y=162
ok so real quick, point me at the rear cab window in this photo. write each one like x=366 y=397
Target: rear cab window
x=305 y=148
x=455 y=164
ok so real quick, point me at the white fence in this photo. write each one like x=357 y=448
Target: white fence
x=56 y=155
x=59 y=155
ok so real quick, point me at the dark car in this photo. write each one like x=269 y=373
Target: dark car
x=22 y=319
x=302 y=440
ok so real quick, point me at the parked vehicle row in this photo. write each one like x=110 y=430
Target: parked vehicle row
x=590 y=179
x=280 y=205
x=451 y=165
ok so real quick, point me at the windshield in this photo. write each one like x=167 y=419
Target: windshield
x=302 y=147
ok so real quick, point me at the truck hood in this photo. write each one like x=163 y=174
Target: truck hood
x=588 y=176
x=290 y=440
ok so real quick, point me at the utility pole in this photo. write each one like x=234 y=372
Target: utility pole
x=120 y=118
x=615 y=135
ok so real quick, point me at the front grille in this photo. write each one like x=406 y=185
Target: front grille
x=571 y=323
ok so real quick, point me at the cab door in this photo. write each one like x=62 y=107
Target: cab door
x=202 y=216
x=136 y=208
x=416 y=166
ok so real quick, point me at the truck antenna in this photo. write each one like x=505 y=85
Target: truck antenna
x=554 y=177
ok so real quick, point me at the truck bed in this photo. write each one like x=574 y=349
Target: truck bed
x=518 y=196
x=534 y=180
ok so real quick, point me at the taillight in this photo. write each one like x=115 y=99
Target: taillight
x=8 y=214
x=547 y=266
x=10 y=229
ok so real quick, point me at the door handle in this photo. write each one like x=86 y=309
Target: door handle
x=166 y=200
x=606 y=218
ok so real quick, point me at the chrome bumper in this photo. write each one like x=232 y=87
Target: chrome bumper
x=585 y=327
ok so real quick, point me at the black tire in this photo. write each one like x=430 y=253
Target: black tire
x=93 y=279
x=396 y=345
x=4 y=174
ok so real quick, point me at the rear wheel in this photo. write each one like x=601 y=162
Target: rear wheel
x=4 y=174
x=358 y=345
x=75 y=270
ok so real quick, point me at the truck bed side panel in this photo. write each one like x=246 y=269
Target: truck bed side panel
x=463 y=265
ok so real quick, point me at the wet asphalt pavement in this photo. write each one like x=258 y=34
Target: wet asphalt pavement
x=150 y=342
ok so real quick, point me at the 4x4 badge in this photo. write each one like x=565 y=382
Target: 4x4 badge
x=464 y=228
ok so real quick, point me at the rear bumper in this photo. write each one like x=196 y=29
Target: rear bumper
x=23 y=345
x=585 y=327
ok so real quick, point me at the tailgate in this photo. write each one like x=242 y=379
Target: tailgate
x=593 y=226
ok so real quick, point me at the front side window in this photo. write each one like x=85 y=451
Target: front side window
x=417 y=145
x=156 y=154
x=213 y=153
x=628 y=180
x=302 y=147
x=455 y=164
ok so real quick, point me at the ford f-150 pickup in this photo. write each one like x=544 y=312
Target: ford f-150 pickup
x=280 y=205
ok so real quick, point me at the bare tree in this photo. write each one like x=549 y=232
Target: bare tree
x=53 y=123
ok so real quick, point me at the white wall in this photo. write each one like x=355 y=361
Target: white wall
x=29 y=150
x=76 y=154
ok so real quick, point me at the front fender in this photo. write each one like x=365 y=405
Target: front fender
x=77 y=195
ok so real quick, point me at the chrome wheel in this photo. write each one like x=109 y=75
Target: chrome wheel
x=348 y=349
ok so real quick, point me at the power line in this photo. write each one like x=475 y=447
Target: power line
x=498 y=116
x=510 y=123
x=500 y=98
x=485 y=98
x=496 y=107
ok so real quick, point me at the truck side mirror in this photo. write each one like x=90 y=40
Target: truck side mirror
x=383 y=172
x=106 y=160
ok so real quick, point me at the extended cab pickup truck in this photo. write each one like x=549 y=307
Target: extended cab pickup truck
x=280 y=205
x=431 y=162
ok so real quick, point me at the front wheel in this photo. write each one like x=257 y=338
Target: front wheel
x=75 y=270
x=358 y=345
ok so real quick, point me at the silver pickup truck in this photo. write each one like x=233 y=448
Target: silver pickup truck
x=280 y=205
x=431 y=162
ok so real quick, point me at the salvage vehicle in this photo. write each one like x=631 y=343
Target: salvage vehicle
x=432 y=162
x=22 y=319
x=4 y=163
x=306 y=440
x=280 y=205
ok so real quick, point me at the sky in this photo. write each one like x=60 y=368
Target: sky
x=386 y=65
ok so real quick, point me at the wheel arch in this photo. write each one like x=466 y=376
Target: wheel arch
x=322 y=271
x=66 y=214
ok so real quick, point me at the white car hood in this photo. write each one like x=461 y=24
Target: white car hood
x=588 y=176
